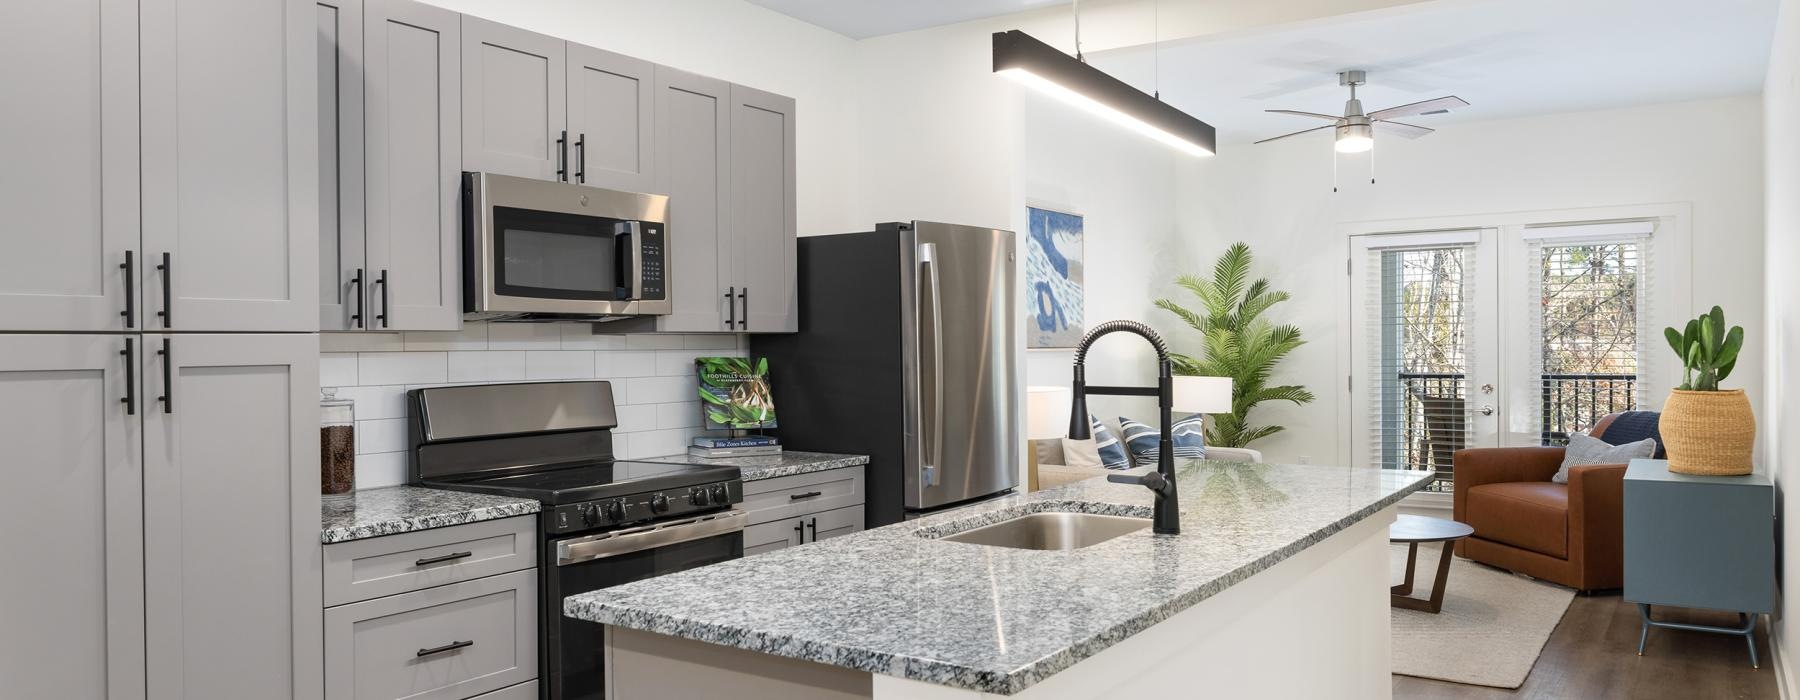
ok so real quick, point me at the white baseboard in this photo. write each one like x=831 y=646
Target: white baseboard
x=1777 y=660
x=1432 y=504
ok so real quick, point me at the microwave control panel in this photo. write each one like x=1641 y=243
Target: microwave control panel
x=650 y=279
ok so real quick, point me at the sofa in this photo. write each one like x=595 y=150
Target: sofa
x=1571 y=534
x=1052 y=472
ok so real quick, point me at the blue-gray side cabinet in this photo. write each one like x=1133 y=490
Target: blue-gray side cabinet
x=1699 y=542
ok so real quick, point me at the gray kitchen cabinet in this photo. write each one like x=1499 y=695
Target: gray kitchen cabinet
x=452 y=641
x=763 y=214
x=72 y=601
x=834 y=523
x=694 y=130
x=768 y=537
x=363 y=569
x=612 y=125
x=793 y=510
x=230 y=518
x=513 y=101
x=70 y=135
x=228 y=155
x=342 y=294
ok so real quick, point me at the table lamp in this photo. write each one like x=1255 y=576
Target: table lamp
x=1046 y=417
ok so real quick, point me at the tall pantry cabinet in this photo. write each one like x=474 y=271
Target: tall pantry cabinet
x=158 y=366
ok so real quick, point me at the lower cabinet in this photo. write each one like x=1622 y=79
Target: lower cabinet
x=445 y=628
x=795 y=510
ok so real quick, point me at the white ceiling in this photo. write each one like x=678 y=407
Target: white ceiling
x=861 y=19
x=1508 y=58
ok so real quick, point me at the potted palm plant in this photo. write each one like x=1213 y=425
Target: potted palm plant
x=1706 y=429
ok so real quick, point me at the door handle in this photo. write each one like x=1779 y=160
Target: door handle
x=744 y=318
x=929 y=471
x=1487 y=410
x=168 y=360
x=800 y=530
x=357 y=281
x=562 y=156
x=813 y=525
x=382 y=282
x=808 y=494
x=130 y=312
x=168 y=271
x=453 y=556
x=730 y=307
x=453 y=646
x=581 y=158
x=130 y=399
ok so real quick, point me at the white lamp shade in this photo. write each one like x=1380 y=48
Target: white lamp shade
x=1203 y=394
x=1047 y=411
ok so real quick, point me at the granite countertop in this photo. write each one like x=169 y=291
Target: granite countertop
x=391 y=510
x=788 y=463
x=998 y=620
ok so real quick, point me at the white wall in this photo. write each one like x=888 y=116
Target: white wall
x=742 y=43
x=1778 y=431
x=1278 y=198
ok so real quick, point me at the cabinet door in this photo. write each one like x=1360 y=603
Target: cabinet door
x=694 y=130
x=71 y=204
x=834 y=523
x=72 y=595
x=513 y=115
x=762 y=211
x=340 y=164
x=231 y=507
x=414 y=129
x=230 y=164
x=611 y=120
x=769 y=537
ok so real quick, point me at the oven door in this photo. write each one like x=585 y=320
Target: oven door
x=573 y=649
x=535 y=247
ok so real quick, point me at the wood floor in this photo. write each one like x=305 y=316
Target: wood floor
x=1593 y=654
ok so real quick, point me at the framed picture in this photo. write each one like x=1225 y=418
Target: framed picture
x=1054 y=294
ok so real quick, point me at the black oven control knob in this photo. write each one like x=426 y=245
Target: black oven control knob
x=720 y=495
x=615 y=510
x=590 y=514
x=659 y=503
x=699 y=496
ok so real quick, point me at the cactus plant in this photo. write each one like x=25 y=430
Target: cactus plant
x=1708 y=352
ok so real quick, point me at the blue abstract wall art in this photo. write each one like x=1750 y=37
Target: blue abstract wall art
x=1053 y=279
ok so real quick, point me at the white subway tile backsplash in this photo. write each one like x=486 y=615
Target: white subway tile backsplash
x=337 y=369
x=625 y=363
x=401 y=368
x=671 y=363
x=637 y=418
x=661 y=389
x=360 y=342
x=580 y=336
x=678 y=415
x=653 y=342
x=487 y=366
x=472 y=336
x=656 y=443
x=524 y=336
x=376 y=401
x=559 y=364
x=380 y=469
x=384 y=435
x=716 y=341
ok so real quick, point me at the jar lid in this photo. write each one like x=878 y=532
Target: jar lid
x=328 y=397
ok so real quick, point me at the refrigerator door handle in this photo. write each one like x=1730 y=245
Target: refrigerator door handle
x=929 y=472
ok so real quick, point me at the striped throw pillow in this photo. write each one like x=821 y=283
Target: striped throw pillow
x=1187 y=434
x=1112 y=452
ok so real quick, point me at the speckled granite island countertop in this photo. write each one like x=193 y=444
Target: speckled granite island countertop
x=788 y=463
x=895 y=601
x=391 y=510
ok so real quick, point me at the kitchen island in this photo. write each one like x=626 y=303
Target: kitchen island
x=1276 y=587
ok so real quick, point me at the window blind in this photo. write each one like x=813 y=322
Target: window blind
x=1419 y=315
x=1587 y=288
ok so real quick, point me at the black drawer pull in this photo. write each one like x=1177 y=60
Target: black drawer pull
x=130 y=312
x=453 y=646
x=168 y=274
x=808 y=494
x=453 y=556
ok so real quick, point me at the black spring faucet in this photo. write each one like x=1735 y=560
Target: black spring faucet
x=1167 y=520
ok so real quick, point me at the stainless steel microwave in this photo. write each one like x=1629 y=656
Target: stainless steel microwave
x=535 y=250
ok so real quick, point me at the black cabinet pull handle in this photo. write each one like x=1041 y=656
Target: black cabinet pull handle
x=453 y=646
x=168 y=360
x=383 y=283
x=581 y=158
x=814 y=526
x=357 y=281
x=562 y=156
x=808 y=494
x=168 y=271
x=800 y=530
x=744 y=318
x=130 y=399
x=428 y=561
x=130 y=268
x=730 y=308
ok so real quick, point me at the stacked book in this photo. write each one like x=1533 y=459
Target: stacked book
x=748 y=446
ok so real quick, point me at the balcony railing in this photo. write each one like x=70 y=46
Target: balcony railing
x=1574 y=402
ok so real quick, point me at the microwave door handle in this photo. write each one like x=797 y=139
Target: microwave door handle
x=628 y=259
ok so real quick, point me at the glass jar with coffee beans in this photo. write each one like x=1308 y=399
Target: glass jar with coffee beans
x=337 y=445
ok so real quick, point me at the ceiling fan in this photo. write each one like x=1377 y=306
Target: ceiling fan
x=1356 y=130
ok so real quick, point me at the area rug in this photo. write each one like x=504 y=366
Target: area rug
x=1492 y=627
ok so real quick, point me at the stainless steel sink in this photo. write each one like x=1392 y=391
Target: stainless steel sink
x=1051 y=531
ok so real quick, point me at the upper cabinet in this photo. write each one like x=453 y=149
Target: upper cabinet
x=389 y=242
x=612 y=124
x=514 y=118
x=763 y=210
x=694 y=128
x=230 y=168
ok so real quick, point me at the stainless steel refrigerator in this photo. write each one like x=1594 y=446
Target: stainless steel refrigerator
x=906 y=353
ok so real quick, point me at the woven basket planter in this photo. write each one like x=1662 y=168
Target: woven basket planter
x=1709 y=432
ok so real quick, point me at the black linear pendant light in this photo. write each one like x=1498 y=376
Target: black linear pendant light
x=1041 y=66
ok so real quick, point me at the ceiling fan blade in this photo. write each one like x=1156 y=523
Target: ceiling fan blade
x=1441 y=104
x=1297 y=133
x=1402 y=130
x=1298 y=113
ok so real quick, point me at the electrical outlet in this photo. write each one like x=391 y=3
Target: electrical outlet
x=1305 y=459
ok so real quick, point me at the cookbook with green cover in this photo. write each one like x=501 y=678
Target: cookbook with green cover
x=734 y=393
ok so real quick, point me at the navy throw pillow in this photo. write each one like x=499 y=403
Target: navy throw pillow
x=1632 y=426
x=1112 y=452
x=1187 y=434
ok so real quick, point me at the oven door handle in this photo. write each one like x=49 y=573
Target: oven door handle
x=611 y=544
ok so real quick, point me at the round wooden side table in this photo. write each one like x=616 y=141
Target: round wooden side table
x=1415 y=530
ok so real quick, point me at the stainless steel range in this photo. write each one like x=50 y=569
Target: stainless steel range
x=604 y=523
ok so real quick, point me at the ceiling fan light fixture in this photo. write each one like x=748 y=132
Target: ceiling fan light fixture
x=1042 y=67
x=1355 y=138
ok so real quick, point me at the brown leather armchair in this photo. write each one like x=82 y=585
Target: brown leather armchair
x=1571 y=534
